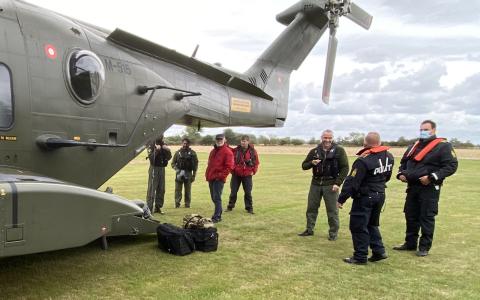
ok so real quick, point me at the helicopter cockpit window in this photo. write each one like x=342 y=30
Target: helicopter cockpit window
x=6 y=103
x=85 y=75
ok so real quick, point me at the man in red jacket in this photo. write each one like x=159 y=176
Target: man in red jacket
x=220 y=164
x=246 y=165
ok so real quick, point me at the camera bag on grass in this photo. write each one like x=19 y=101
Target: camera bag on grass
x=175 y=240
x=203 y=232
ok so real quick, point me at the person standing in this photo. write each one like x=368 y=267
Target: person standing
x=220 y=164
x=366 y=185
x=329 y=164
x=423 y=167
x=159 y=155
x=185 y=163
x=246 y=165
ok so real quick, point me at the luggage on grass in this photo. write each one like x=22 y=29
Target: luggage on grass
x=174 y=240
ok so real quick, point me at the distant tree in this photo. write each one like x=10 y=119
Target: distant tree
x=313 y=141
x=353 y=139
x=207 y=140
x=231 y=137
x=297 y=142
x=253 y=138
x=274 y=140
x=193 y=134
x=173 y=140
x=284 y=141
x=263 y=140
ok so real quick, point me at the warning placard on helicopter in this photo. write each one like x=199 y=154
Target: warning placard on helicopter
x=8 y=138
x=241 y=105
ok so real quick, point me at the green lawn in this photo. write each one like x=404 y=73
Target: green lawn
x=260 y=256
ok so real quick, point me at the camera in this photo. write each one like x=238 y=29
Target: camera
x=249 y=163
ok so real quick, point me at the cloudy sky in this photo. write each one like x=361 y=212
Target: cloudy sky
x=419 y=60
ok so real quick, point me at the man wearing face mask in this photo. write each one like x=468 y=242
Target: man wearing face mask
x=423 y=167
x=329 y=164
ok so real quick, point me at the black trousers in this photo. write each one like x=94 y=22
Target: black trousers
x=364 y=222
x=247 y=184
x=421 y=207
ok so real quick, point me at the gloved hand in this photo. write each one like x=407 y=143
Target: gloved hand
x=193 y=178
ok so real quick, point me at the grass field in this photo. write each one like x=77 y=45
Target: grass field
x=260 y=256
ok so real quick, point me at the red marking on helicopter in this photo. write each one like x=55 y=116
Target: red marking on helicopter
x=50 y=51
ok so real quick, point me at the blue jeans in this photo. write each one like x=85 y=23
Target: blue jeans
x=216 y=188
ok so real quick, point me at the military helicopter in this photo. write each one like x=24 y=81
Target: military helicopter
x=78 y=102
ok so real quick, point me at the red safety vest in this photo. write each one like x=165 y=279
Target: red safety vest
x=421 y=155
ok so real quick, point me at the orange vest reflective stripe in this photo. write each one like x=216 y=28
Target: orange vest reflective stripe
x=424 y=151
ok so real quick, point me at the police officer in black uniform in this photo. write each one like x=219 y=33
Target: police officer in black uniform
x=423 y=167
x=366 y=185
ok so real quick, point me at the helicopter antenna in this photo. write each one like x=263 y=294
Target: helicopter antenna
x=195 y=51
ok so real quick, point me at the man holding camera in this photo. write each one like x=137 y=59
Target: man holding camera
x=159 y=155
x=185 y=163
x=329 y=164
x=246 y=165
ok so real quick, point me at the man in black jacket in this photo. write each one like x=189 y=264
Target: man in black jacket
x=185 y=163
x=366 y=185
x=329 y=164
x=423 y=167
x=159 y=155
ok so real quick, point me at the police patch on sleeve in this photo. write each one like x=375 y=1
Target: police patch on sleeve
x=354 y=172
x=454 y=154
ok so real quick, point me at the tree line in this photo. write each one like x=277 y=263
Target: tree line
x=233 y=138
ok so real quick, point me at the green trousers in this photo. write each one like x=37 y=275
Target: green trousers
x=315 y=195
x=156 y=187
x=178 y=192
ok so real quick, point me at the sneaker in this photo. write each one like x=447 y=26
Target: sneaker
x=404 y=247
x=250 y=211
x=216 y=220
x=351 y=260
x=306 y=233
x=187 y=206
x=421 y=253
x=158 y=210
x=376 y=257
x=228 y=209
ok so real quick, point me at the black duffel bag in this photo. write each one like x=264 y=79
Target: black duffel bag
x=206 y=239
x=174 y=240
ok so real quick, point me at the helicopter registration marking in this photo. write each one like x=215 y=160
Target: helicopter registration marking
x=8 y=138
x=117 y=66
x=241 y=105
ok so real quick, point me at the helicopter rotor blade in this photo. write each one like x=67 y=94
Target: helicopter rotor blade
x=331 y=54
x=359 y=16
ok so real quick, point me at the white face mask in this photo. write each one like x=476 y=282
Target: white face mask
x=424 y=134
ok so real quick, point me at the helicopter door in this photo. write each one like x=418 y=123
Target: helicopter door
x=13 y=88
